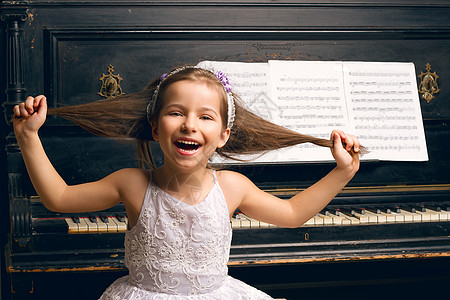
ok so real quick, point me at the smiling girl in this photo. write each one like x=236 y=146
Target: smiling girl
x=179 y=235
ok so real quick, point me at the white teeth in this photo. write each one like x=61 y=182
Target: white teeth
x=188 y=142
x=188 y=151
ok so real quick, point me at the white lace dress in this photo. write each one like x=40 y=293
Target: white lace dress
x=179 y=251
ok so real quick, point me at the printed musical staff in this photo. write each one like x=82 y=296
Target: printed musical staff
x=377 y=101
x=383 y=99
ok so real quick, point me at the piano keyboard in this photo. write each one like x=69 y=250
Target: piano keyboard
x=339 y=216
x=96 y=224
x=355 y=216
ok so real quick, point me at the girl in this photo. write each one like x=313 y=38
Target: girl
x=179 y=214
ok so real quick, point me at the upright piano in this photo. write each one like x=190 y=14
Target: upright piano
x=386 y=234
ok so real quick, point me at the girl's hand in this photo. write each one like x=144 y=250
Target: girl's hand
x=30 y=115
x=345 y=151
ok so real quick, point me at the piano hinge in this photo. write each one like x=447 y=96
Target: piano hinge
x=20 y=225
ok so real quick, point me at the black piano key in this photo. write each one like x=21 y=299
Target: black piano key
x=348 y=211
x=75 y=219
x=359 y=210
x=93 y=219
x=422 y=208
x=414 y=208
x=408 y=208
x=384 y=210
x=374 y=210
x=395 y=209
x=388 y=209
x=338 y=211
x=104 y=219
x=433 y=207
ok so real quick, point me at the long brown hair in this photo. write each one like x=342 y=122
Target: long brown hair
x=126 y=117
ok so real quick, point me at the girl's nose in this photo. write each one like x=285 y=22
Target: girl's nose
x=190 y=124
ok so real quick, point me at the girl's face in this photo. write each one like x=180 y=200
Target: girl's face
x=190 y=125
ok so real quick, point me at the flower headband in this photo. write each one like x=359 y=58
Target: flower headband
x=220 y=76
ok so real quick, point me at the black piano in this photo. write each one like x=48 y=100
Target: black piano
x=387 y=234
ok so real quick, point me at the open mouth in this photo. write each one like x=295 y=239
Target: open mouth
x=186 y=146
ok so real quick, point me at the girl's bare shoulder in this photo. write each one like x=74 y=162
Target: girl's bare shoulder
x=233 y=182
x=131 y=179
x=227 y=176
x=133 y=172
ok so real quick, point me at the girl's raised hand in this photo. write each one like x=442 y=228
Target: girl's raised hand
x=345 y=151
x=30 y=115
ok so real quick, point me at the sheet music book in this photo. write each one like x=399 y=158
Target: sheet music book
x=376 y=101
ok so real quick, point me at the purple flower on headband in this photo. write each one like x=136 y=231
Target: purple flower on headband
x=163 y=76
x=224 y=80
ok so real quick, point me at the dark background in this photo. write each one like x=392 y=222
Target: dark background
x=69 y=44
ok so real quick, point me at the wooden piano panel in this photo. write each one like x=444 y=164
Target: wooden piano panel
x=73 y=52
x=67 y=45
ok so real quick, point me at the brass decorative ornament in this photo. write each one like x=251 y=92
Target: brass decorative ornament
x=110 y=84
x=428 y=84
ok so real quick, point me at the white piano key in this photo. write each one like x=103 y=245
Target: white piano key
x=318 y=221
x=310 y=222
x=102 y=226
x=235 y=223
x=337 y=219
x=351 y=220
x=390 y=218
x=363 y=218
x=254 y=223
x=372 y=217
x=398 y=217
x=434 y=215
x=121 y=225
x=326 y=219
x=410 y=216
x=345 y=221
x=428 y=215
x=73 y=227
x=83 y=227
x=443 y=215
x=112 y=226
x=382 y=218
x=244 y=222
x=92 y=227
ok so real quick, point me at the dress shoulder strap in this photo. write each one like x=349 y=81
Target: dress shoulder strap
x=214 y=176
x=148 y=190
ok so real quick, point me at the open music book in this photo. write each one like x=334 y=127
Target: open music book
x=376 y=101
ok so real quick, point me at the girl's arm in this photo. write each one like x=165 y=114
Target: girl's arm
x=303 y=206
x=52 y=189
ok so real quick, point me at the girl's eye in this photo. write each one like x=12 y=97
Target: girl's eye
x=175 y=113
x=206 y=118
